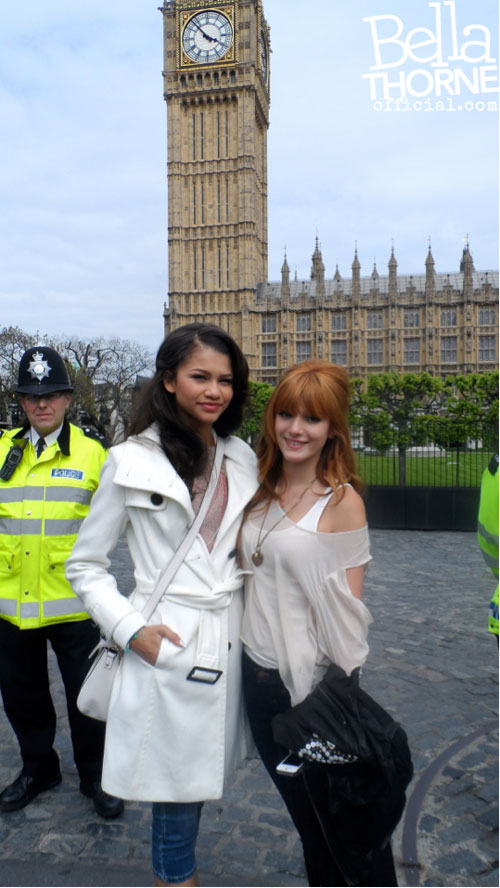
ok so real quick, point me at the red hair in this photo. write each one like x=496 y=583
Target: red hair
x=315 y=388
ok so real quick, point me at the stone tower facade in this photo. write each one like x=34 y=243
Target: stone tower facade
x=216 y=85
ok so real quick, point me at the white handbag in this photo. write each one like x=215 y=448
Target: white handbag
x=95 y=692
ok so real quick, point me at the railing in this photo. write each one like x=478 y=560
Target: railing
x=440 y=489
x=423 y=467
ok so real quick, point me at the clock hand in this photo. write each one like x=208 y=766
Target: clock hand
x=205 y=35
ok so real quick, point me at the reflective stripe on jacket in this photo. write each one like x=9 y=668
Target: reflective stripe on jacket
x=42 y=507
x=487 y=531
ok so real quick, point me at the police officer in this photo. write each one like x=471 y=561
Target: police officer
x=49 y=470
x=487 y=531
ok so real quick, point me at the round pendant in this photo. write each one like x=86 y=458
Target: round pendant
x=257 y=557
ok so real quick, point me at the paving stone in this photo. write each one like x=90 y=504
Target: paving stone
x=489 y=818
x=491 y=878
x=459 y=832
x=282 y=821
x=488 y=792
x=107 y=849
x=471 y=760
x=63 y=845
x=428 y=823
x=432 y=666
x=266 y=800
x=460 y=862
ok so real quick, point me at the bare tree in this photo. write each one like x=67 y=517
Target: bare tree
x=103 y=371
x=13 y=344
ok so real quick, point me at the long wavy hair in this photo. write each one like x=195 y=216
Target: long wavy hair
x=315 y=388
x=183 y=447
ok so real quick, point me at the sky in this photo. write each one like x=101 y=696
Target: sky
x=83 y=228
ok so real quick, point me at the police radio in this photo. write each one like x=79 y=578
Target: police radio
x=12 y=460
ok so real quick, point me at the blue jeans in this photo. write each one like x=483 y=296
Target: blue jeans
x=175 y=830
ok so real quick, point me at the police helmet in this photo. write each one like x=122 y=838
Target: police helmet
x=42 y=371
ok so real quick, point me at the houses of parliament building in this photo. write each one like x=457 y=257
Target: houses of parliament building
x=217 y=88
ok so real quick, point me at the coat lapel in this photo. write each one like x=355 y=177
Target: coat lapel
x=153 y=473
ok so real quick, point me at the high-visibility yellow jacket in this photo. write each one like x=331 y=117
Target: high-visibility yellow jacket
x=487 y=531
x=42 y=507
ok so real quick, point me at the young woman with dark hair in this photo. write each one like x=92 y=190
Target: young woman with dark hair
x=172 y=738
x=305 y=541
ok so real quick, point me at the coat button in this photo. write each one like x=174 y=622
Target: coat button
x=156 y=499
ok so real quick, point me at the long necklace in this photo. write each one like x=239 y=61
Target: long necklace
x=257 y=556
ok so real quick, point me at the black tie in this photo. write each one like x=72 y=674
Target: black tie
x=40 y=447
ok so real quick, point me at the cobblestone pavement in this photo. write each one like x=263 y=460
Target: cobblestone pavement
x=432 y=665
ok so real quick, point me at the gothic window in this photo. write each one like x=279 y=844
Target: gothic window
x=219 y=265
x=411 y=350
x=227 y=200
x=486 y=316
x=374 y=320
x=303 y=323
x=339 y=321
x=412 y=318
x=194 y=203
x=375 y=351
x=448 y=349
x=193 y=122
x=227 y=133
x=269 y=323
x=339 y=352
x=218 y=200
x=449 y=317
x=487 y=348
x=203 y=266
x=269 y=354
x=195 y=269
x=202 y=203
x=303 y=351
x=218 y=133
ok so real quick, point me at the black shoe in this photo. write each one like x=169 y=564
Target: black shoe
x=105 y=805
x=25 y=789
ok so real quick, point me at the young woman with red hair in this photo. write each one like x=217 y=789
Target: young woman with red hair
x=305 y=541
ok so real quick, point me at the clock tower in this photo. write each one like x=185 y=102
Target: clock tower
x=216 y=85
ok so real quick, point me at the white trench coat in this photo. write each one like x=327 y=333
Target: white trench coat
x=167 y=738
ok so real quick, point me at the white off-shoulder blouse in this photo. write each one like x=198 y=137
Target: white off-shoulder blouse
x=300 y=614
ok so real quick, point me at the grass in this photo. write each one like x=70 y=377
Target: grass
x=450 y=469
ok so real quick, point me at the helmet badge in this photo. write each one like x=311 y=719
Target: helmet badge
x=38 y=367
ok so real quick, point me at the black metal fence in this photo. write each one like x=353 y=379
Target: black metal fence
x=423 y=488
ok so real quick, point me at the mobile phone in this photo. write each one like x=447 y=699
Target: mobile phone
x=291 y=765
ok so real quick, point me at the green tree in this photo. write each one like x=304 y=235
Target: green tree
x=386 y=406
x=259 y=394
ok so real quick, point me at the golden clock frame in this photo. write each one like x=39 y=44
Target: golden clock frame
x=187 y=12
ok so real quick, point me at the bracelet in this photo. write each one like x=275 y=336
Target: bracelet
x=135 y=635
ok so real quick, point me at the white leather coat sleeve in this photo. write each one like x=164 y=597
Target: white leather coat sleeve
x=87 y=568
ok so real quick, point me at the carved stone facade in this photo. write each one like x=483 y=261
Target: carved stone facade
x=216 y=84
x=440 y=323
x=217 y=95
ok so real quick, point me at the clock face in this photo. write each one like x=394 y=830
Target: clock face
x=263 y=57
x=207 y=36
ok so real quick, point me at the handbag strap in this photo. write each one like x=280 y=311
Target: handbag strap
x=172 y=567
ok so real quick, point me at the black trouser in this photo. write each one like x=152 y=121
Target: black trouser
x=266 y=696
x=24 y=683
